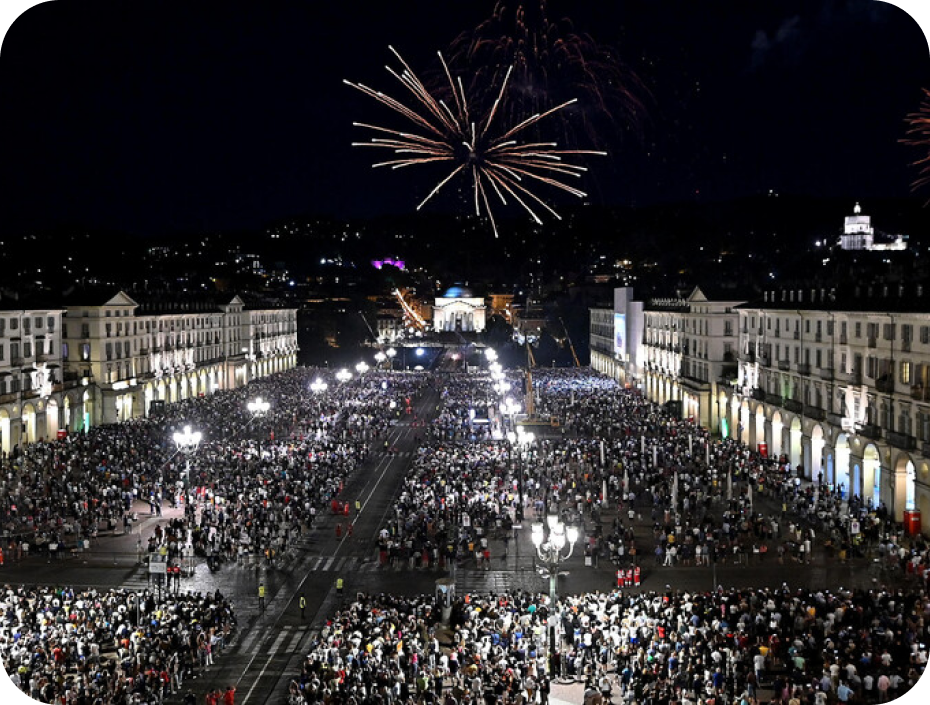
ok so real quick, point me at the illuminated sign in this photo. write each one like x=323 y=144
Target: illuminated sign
x=620 y=334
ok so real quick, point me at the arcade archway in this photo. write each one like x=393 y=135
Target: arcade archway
x=5 y=443
x=778 y=428
x=841 y=468
x=794 y=442
x=817 y=444
x=51 y=420
x=871 y=475
x=29 y=423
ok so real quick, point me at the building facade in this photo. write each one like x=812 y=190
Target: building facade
x=32 y=386
x=458 y=309
x=690 y=351
x=615 y=340
x=839 y=386
x=117 y=359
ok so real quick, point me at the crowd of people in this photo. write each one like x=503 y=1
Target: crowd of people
x=721 y=647
x=61 y=645
x=251 y=487
x=703 y=500
x=273 y=473
x=675 y=496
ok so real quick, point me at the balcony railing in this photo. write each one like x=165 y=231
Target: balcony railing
x=843 y=340
x=902 y=440
x=885 y=385
x=873 y=342
x=804 y=368
x=920 y=393
x=826 y=373
x=871 y=431
x=17 y=361
x=925 y=449
x=815 y=412
x=905 y=346
x=775 y=399
x=765 y=360
x=758 y=394
x=854 y=378
x=794 y=405
x=834 y=418
x=784 y=365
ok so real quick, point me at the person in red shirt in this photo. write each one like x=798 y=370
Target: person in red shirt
x=212 y=697
x=229 y=697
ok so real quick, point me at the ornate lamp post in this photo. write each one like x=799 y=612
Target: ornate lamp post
x=380 y=357
x=391 y=352
x=362 y=368
x=318 y=386
x=187 y=442
x=258 y=408
x=522 y=440
x=343 y=375
x=550 y=547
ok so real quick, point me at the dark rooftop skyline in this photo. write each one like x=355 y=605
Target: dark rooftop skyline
x=170 y=117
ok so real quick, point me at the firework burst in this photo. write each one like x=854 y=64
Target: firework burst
x=496 y=161
x=918 y=135
x=553 y=60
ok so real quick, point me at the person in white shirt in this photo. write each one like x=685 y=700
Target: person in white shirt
x=758 y=664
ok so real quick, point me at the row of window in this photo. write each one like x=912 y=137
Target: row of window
x=42 y=347
x=888 y=330
x=29 y=323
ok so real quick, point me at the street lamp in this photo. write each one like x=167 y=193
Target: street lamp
x=522 y=440
x=318 y=385
x=258 y=407
x=380 y=357
x=490 y=354
x=343 y=375
x=391 y=352
x=550 y=548
x=187 y=442
x=361 y=368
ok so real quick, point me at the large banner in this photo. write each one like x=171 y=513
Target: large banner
x=620 y=335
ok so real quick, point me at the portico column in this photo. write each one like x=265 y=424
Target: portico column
x=855 y=475
x=751 y=436
x=899 y=495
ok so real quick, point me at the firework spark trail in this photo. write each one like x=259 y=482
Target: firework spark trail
x=552 y=60
x=918 y=135
x=499 y=161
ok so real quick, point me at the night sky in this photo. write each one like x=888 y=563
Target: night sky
x=184 y=117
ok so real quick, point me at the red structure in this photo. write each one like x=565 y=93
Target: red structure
x=912 y=522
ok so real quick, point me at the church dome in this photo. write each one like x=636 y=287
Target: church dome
x=458 y=292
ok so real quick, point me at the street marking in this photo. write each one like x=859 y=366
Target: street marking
x=260 y=673
x=295 y=640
